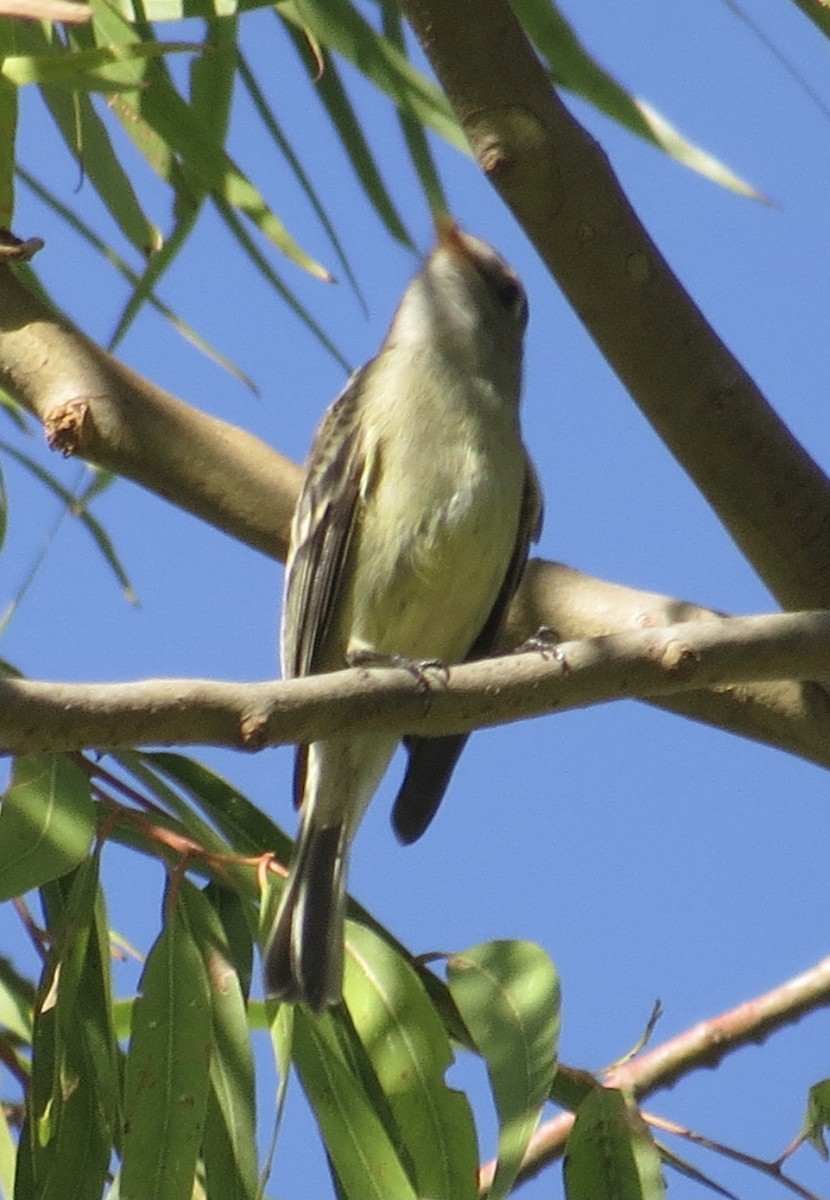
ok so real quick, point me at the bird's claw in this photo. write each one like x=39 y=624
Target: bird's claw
x=416 y=668
x=545 y=641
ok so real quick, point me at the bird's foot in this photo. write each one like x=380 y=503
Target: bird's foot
x=417 y=668
x=545 y=641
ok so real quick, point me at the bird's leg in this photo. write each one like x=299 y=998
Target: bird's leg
x=416 y=668
x=545 y=641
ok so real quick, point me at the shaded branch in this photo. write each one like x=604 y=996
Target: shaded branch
x=647 y=663
x=766 y=489
x=705 y=1045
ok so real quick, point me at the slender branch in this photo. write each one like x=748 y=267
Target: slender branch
x=705 y=1045
x=766 y=489
x=647 y=663
x=772 y=1169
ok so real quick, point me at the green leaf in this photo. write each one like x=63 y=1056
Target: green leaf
x=333 y=96
x=338 y=25
x=98 y=69
x=366 y=1161
x=211 y=89
x=269 y=120
x=10 y=406
x=508 y=995
x=157 y=102
x=572 y=68
x=413 y=131
x=85 y=997
x=166 y=1085
x=410 y=1052
x=247 y=828
x=817 y=1117
x=230 y=1126
x=610 y=1152
x=8 y=128
x=817 y=13
x=47 y=822
x=212 y=78
x=101 y=478
x=88 y=141
x=94 y=527
x=4 y=509
x=8 y=1156
x=68 y=1130
x=17 y=998
x=189 y=823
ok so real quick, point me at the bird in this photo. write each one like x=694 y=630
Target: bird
x=409 y=538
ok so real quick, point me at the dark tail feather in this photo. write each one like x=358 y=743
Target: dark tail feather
x=431 y=762
x=304 y=959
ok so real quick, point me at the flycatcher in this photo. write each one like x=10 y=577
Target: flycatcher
x=408 y=541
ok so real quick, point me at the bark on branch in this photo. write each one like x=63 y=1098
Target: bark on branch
x=765 y=488
x=93 y=406
x=650 y=663
x=705 y=1045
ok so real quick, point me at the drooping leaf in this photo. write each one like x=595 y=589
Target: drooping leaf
x=508 y=996
x=69 y=1122
x=98 y=69
x=229 y=1149
x=413 y=131
x=610 y=1152
x=817 y=1117
x=366 y=1161
x=275 y=132
x=329 y=89
x=575 y=70
x=211 y=87
x=94 y=527
x=88 y=141
x=47 y=822
x=167 y=1072
x=405 y=1041
x=247 y=828
x=8 y=128
x=339 y=25
x=101 y=478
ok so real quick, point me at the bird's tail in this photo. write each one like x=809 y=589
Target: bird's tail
x=304 y=959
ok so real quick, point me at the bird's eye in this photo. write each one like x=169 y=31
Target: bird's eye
x=509 y=291
x=511 y=296
x=506 y=288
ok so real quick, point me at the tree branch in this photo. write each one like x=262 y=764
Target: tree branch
x=93 y=406
x=766 y=489
x=649 y=663
x=705 y=1045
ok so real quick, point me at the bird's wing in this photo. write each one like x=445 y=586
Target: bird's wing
x=321 y=532
x=432 y=760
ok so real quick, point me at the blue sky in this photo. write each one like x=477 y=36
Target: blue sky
x=649 y=856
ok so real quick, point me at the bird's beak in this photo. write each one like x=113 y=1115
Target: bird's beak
x=449 y=235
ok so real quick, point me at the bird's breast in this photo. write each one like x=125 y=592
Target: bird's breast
x=437 y=528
